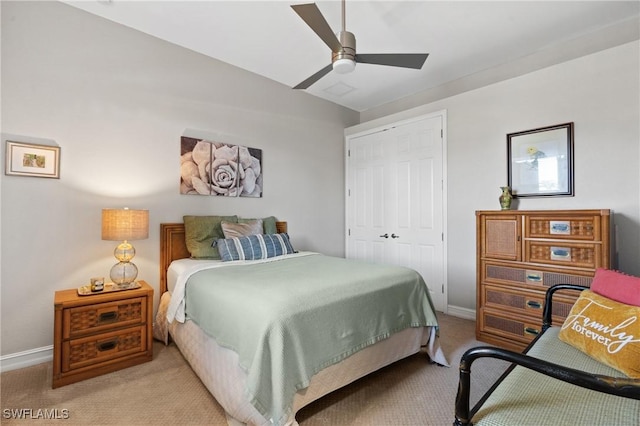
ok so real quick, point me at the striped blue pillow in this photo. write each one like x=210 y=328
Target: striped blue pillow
x=252 y=247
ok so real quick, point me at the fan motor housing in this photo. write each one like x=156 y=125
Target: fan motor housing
x=348 y=51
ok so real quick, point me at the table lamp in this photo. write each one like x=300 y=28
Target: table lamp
x=124 y=225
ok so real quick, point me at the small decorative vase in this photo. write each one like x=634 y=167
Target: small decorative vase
x=505 y=198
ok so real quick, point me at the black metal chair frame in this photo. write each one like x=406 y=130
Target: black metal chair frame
x=628 y=388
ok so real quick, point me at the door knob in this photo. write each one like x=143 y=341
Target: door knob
x=385 y=236
x=395 y=236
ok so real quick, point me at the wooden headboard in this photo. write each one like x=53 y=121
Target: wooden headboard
x=174 y=247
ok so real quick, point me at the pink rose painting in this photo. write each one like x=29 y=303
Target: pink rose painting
x=217 y=168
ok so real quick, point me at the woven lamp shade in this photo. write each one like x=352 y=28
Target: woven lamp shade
x=125 y=224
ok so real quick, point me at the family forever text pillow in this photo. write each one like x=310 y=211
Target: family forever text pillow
x=606 y=330
x=252 y=247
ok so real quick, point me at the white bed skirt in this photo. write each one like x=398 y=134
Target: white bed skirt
x=219 y=369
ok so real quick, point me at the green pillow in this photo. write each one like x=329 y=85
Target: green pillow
x=268 y=223
x=201 y=232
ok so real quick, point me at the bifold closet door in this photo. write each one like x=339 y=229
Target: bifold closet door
x=395 y=199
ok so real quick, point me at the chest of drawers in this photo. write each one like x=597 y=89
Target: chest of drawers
x=98 y=334
x=522 y=253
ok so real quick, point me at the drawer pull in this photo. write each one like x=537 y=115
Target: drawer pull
x=107 y=346
x=530 y=330
x=533 y=304
x=534 y=278
x=108 y=316
x=560 y=227
x=560 y=253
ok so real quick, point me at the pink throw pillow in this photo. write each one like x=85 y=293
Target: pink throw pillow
x=617 y=286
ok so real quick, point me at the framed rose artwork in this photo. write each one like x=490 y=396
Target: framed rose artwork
x=540 y=161
x=219 y=169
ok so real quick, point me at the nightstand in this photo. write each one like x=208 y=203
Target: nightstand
x=100 y=333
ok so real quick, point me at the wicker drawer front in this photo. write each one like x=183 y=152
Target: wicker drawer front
x=105 y=316
x=562 y=227
x=583 y=255
x=561 y=307
x=78 y=353
x=509 y=326
x=501 y=274
x=529 y=303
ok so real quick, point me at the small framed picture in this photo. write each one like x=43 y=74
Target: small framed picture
x=540 y=161
x=27 y=159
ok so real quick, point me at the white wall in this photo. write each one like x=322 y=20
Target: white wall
x=117 y=101
x=600 y=93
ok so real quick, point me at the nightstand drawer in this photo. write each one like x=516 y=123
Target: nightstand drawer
x=83 y=320
x=81 y=352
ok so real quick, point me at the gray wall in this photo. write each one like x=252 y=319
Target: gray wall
x=599 y=92
x=117 y=101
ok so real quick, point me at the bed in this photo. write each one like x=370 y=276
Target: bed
x=219 y=367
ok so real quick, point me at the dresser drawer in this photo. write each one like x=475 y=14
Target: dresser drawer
x=527 y=303
x=580 y=255
x=508 y=326
x=100 y=348
x=523 y=276
x=88 y=319
x=563 y=227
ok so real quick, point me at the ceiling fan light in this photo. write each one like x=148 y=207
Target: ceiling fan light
x=344 y=65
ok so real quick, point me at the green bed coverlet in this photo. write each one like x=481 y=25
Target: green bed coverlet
x=290 y=318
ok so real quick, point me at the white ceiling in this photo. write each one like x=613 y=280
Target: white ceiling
x=462 y=38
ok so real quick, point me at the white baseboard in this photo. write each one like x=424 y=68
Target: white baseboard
x=26 y=358
x=460 y=312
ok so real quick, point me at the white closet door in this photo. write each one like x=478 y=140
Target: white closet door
x=395 y=200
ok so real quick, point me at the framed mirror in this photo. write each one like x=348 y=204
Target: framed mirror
x=540 y=161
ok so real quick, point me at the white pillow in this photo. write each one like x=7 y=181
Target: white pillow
x=233 y=230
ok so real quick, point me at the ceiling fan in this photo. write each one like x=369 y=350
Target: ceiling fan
x=343 y=47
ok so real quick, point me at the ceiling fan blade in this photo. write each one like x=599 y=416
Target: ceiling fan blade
x=317 y=76
x=404 y=60
x=313 y=17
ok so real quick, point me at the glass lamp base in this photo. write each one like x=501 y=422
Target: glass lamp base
x=124 y=252
x=123 y=273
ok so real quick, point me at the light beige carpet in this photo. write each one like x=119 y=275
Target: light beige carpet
x=166 y=392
